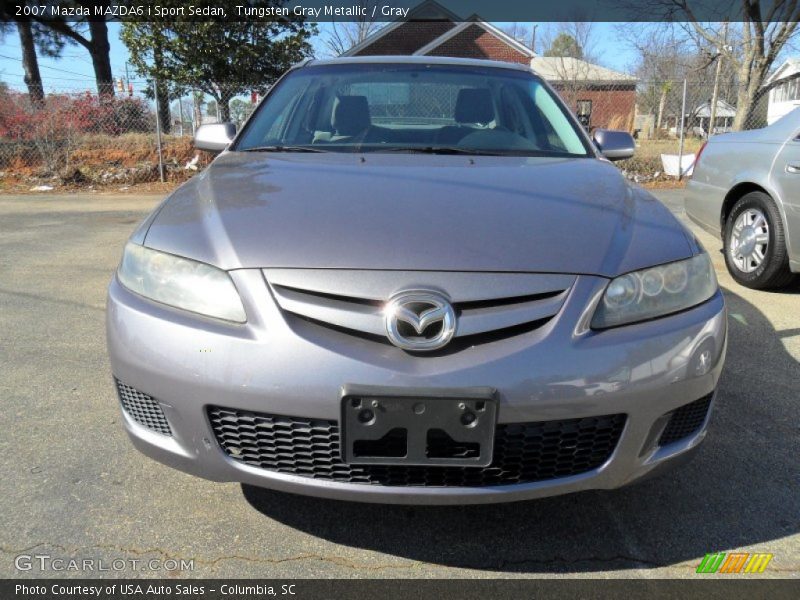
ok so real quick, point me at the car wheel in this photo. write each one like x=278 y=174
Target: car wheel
x=755 y=246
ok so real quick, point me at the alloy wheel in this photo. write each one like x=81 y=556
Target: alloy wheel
x=749 y=240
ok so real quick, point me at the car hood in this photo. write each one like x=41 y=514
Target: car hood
x=417 y=212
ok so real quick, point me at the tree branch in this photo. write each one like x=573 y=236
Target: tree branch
x=64 y=29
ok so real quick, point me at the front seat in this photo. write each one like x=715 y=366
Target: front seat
x=473 y=107
x=351 y=117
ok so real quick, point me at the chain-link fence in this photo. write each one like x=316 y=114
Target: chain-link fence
x=670 y=120
x=80 y=138
x=74 y=138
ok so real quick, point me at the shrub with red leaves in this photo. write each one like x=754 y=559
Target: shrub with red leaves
x=70 y=115
x=47 y=135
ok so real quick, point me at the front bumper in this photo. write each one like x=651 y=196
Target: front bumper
x=557 y=372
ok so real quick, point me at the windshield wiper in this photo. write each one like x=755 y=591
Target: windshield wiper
x=474 y=152
x=282 y=149
x=436 y=150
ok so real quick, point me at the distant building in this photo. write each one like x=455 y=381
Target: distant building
x=599 y=96
x=699 y=120
x=785 y=97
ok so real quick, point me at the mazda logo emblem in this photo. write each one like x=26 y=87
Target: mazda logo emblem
x=419 y=321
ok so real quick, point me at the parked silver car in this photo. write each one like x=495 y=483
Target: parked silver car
x=415 y=280
x=746 y=189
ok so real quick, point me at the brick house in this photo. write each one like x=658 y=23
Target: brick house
x=599 y=96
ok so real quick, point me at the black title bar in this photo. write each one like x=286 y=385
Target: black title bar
x=391 y=10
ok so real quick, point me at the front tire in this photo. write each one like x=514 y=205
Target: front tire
x=755 y=244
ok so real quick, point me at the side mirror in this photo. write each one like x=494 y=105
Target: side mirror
x=614 y=145
x=214 y=137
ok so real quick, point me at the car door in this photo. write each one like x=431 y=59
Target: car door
x=785 y=179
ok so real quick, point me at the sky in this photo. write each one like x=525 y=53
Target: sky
x=73 y=71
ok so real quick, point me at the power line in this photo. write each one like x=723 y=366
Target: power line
x=51 y=68
x=79 y=57
x=22 y=78
x=64 y=82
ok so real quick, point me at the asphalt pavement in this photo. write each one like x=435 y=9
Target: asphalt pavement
x=74 y=487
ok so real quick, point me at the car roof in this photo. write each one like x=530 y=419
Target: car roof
x=418 y=60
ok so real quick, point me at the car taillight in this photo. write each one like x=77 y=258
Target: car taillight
x=697 y=157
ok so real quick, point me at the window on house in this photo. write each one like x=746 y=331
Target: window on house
x=584 y=112
x=788 y=91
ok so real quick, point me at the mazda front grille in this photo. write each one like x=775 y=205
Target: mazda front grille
x=523 y=452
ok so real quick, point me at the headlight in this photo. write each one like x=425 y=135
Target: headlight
x=180 y=282
x=656 y=292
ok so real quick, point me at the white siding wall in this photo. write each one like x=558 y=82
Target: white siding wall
x=783 y=98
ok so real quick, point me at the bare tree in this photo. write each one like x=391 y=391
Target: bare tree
x=343 y=36
x=664 y=60
x=570 y=47
x=582 y=32
x=524 y=33
x=751 y=46
x=660 y=63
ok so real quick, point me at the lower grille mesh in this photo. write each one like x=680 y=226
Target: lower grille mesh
x=685 y=421
x=523 y=452
x=143 y=409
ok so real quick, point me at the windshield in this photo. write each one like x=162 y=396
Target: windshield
x=412 y=108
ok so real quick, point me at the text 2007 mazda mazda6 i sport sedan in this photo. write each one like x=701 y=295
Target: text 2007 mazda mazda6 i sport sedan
x=415 y=281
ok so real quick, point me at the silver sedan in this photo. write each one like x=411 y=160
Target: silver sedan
x=415 y=280
x=746 y=189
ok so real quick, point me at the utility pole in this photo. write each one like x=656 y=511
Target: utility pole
x=158 y=132
x=683 y=125
x=533 y=38
x=197 y=110
x=715 y=93
x=180 y=112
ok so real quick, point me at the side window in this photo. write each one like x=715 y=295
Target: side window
x=294 y=124
x=510 y=111
x=269 y=123
x=276 y=129
x=560 y=133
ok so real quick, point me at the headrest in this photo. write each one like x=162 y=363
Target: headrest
x=474 y=105
x=351 y=115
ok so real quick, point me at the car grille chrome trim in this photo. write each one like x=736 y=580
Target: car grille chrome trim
x=350 y=314
x=523 y=452
x=491 y=318
x=518 y=300
x=143 y=409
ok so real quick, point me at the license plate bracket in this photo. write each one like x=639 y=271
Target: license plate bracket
x=428 y=427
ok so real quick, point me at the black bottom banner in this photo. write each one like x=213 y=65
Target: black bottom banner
x=405 y=589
